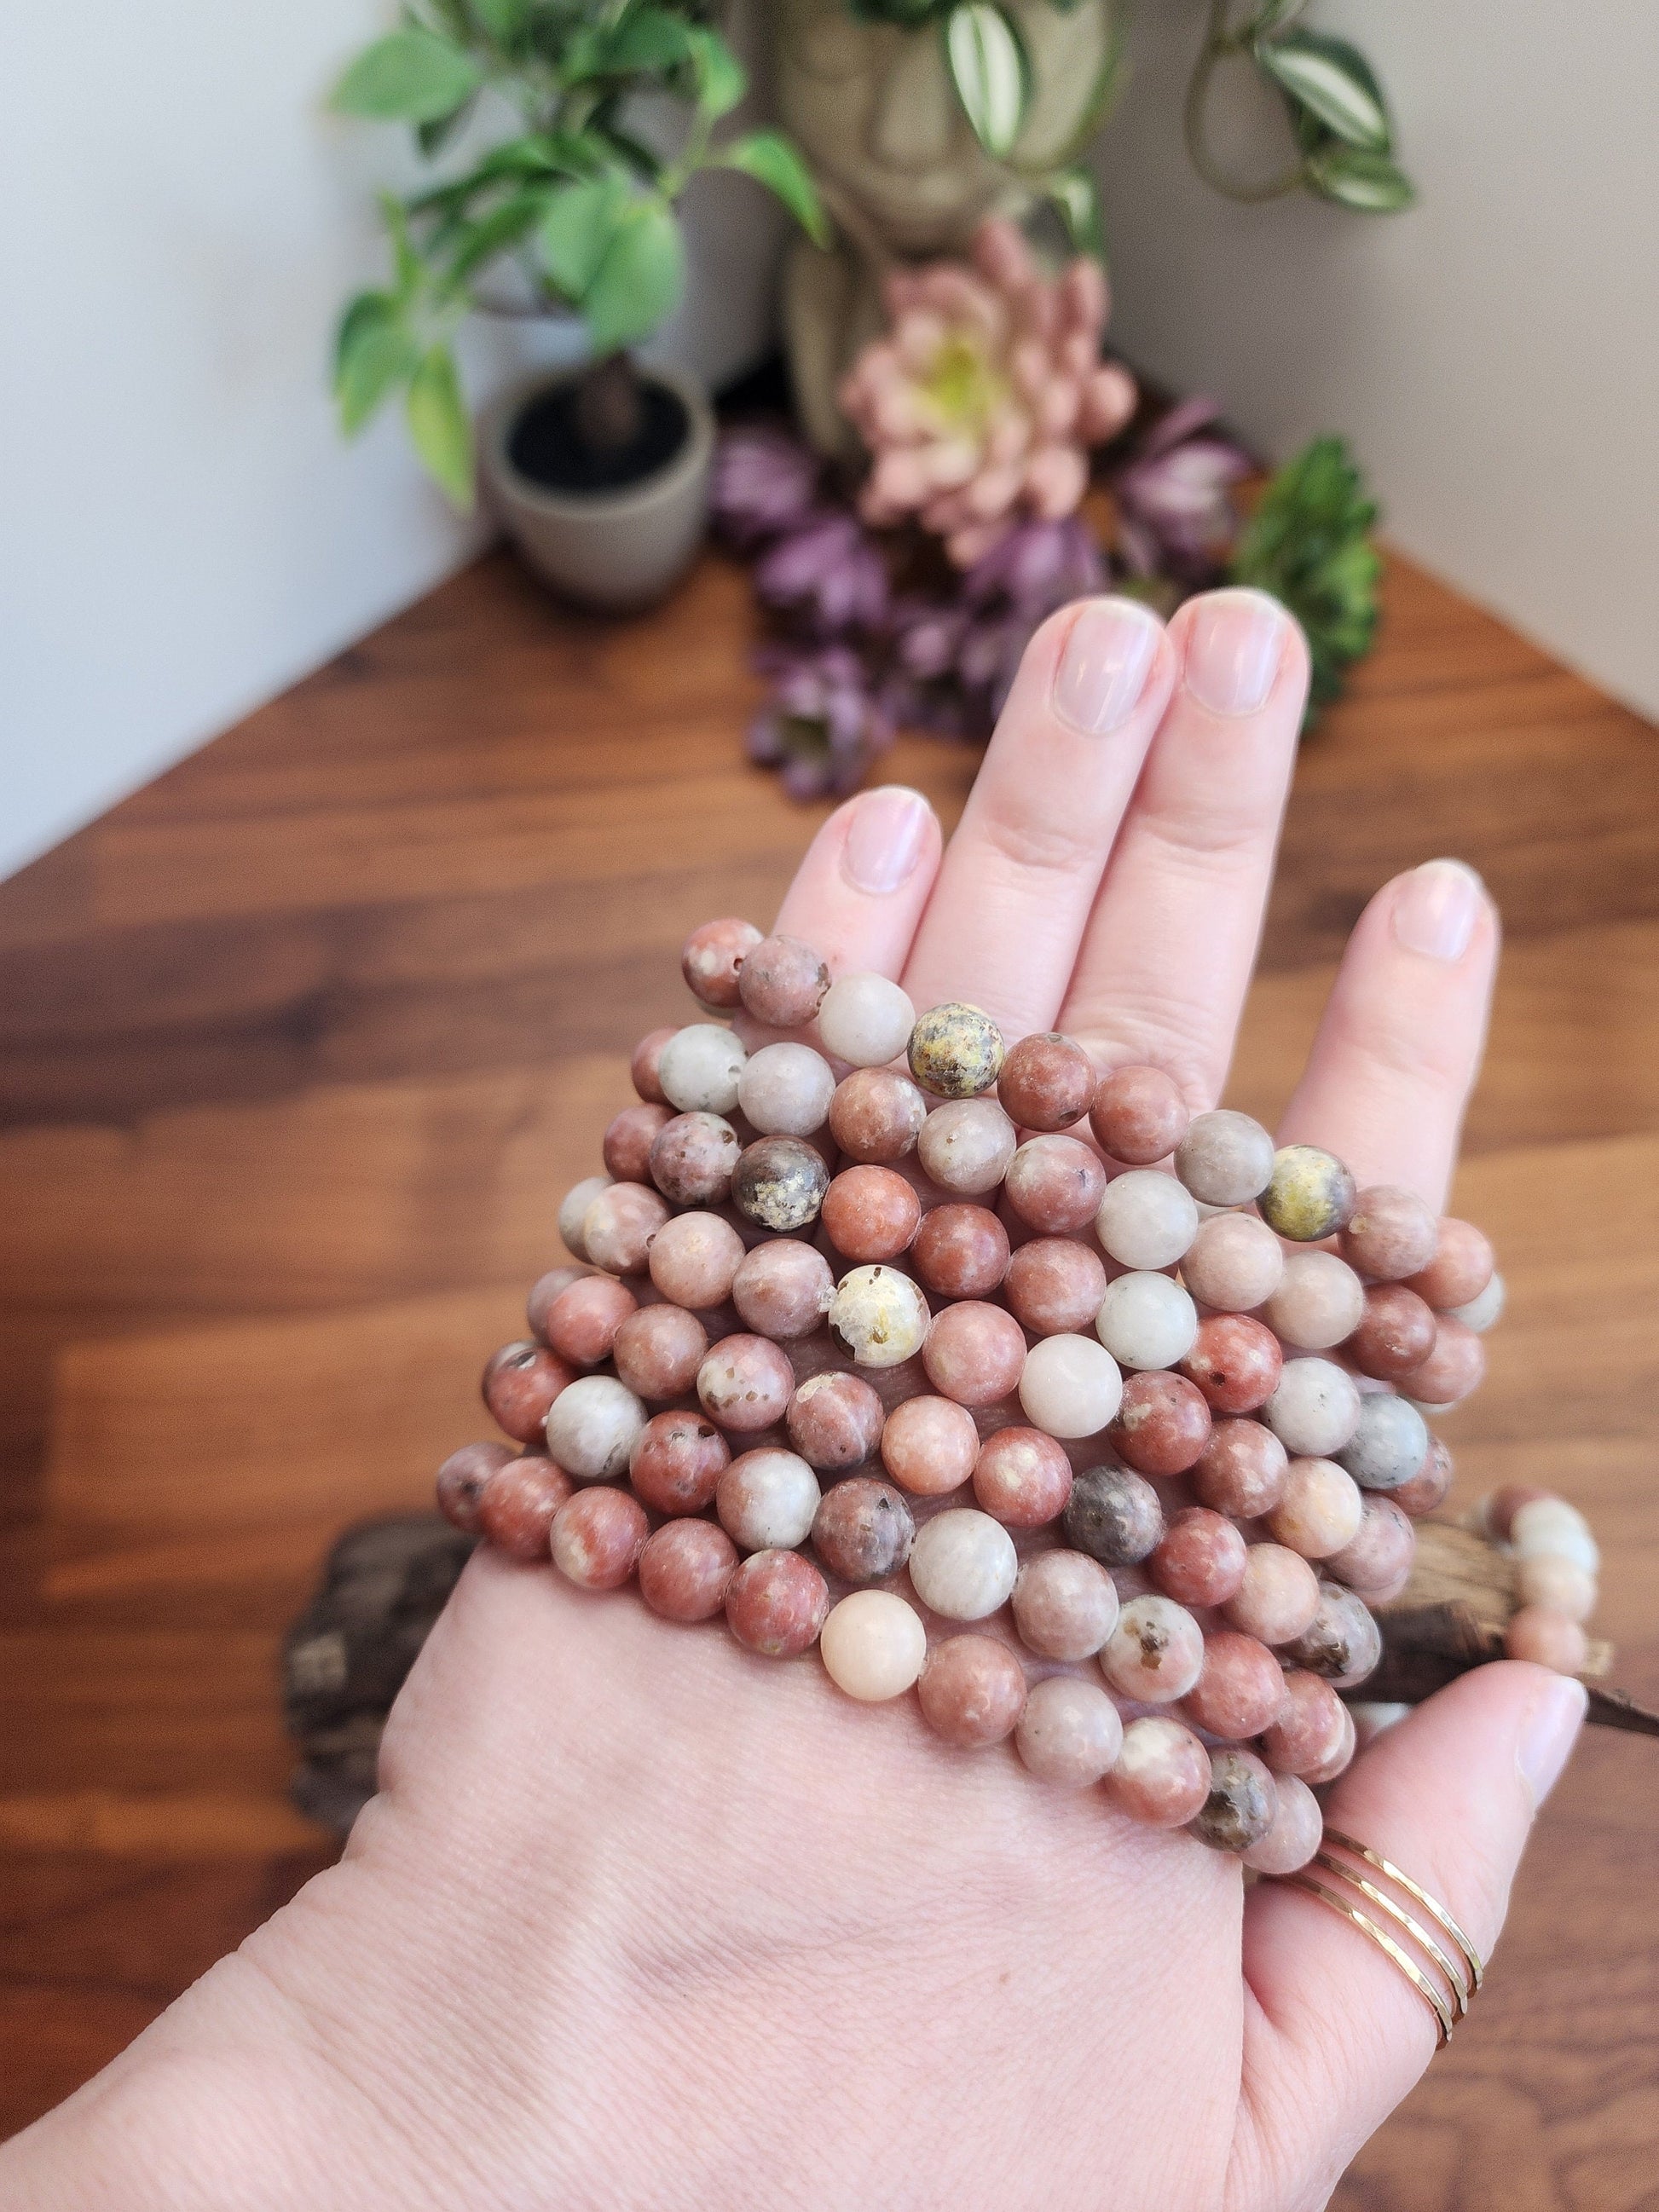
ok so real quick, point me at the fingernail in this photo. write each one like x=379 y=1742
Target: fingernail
x=1234 y=642
x=1436 y=907
x=884 y=838
x=1103 y=670
x=1548 y=1734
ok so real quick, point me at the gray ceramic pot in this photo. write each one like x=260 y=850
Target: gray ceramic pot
x=615 y=550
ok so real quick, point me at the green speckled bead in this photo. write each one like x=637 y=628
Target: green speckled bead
x=955 y=1051
x=1310 y=1196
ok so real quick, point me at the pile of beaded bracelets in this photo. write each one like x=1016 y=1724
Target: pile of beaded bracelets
x=1101 y=1445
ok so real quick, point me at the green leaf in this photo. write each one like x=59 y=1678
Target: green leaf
x=437 y=418
x=373 y=352
x=406 y=262
x=990 y=70
x=502 y=21
x=1076 y=196
x=1271 y=15
x=408 y=77
x=1333 y=81
x=637 y=285
x=1308 y=543
x=432 y=137
x=768 y=156
x=647 y=42
x=1355 y=178
x=504 y=226
x=722 y=79
x=577 y=229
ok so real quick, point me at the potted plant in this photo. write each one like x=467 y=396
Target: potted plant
x=600 y=474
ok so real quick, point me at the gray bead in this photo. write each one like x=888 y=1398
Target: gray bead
x=779 y=1183
x=1342 y=1642
x=1113 y=1516
x=1240 y=1808
x=1389 y=1446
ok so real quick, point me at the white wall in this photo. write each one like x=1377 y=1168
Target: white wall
x=1494 y=354
x=181 y=531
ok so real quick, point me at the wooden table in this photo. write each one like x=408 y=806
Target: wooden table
x=303 y=1043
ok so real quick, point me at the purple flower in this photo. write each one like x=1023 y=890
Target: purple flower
x=1175 y=512
x=824 y=724
x=829 y=572
x=764 y=482
x=1037 y=567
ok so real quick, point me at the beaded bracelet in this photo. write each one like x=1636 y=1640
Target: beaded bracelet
x=1184 y=1377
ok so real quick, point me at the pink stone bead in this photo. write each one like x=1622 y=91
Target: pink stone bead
x=776 y=1603
x=873 y=1645
x=544 y=1291
x=972 y=1690
x=1295 y=1831
x=1501 y=1508
x=746 y=1384
x=1395 y=1334
x=519 y=1501
x=766 y=1500
x=1241 y=1470
x=519 y=1384
x=1320 y=1302
x=1022 y=1478
x=1240 y=1690
x=1155 y=1653
x=677 y=1462
x=1459 y=1270
x=642 y=1068
x=782 y=981
x=782 y=1290
x=835 y=1421
x=1340 y=1760
x=1069 y=1733
x=461 y=1480
x=1066 y=1605
x=960 y=1251
x=693 y=1158
x=1309 y=1731
x=1242 y=1801
x=1320 y=1511
x=618 y=1228
x=1163 y=1424
x=1342 y=1642
x=974 y=1353
x=1054 y=1284
x=875 y=1116
x=1139 y=1115
x=1390 y=1233
x=1235 y=1361
x=929 y=1446
x=1548 y=1638
x=1235 y=1263
x=966 y=1147
x=1380 y=1554
x=712 y=956
x=582 y=1321
x=1162 y=1777
x=598 y=1536
x=1200 y=1559
x=685 y=1569
x=658 y=1351
x=694 y=1260
x=1456 y=1366
x=863 y=1530
x=1226 y=1158
x=1055 y=1184
x=629 y=1139
x=1427 y=1488
x=1558 y=1585
x=1278 y=1598
x=871 y=1213
x=1048 y=1082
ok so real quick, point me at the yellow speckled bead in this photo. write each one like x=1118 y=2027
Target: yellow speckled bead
x=955 y=1051
x=1310 y=1196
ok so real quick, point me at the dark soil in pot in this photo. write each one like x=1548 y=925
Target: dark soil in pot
x=547 y=446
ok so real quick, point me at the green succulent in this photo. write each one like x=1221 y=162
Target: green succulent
x=1308 y=543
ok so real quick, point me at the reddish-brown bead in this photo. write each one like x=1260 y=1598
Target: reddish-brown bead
x=1309 y=1730
x=597 y=1535
x=1055 y=1285
x=1200 y=1559
x=875 y=1116
x=870 y=1213
x=929 y=1446
x=974 y=1353
x=1241 y=1689
x=1048 y=1082
x=629 y=1139
x=1453 y=1368
x=1022 y=1478
x=519 y=1384
x=1163 y=1424
x=685 y=1569
x=461 y=1480
x=746 y=1384
x=835 y=1421
x=642 y=1068
x=1139 y=1115
x=519 y=1500
x=618 y=1228
x=712 y=956
x=1235 y=1362
x=1390 y=1233
x=692 y=1159
x=1055 y=1184
x=582 y=1321
x=544 y=1291
x=658 y=1350
x=1241 y=1469
x=1396 y=1333
x=783 y=1288
x=782 y=981
x=961 y=1251
x=775 y=1604
x=972 y=1690
x=863 y=1530
x=678 y=1461
x=1459 y=1270
x=1427 y=1488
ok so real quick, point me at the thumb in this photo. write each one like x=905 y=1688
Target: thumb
x=1449 y=1795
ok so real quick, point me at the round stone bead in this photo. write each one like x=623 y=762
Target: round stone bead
x=583 y=1320
x=1022 y=1478
x=955 y=1051
x=1294 y=1832
x=1069 y=1732
x=1484 y=1309
x=627 y=1146
x=961 y=1251
x=1224 y=1158
x=1390 y=1233
x=1319 y=1304
x=1559 y=1585
x=1342 y=1642
x=965 y=1147
x=1380 y=1556
x=521 y=1384
x=972 y=1690
x=692 y=1159
x=1065 y=1605
x=685 y=1569
x=782 y=1290
x=1055 y=1184
x=1162 y=1424
x=694 y=1260
x=1390 y=1444
x=1070 y=1387
x=863 y=1530
x=644 y=1068
x=712 y=956
x=1309 y=1195
x=573 y=1211
x=1240 y=1808
x=1309 y=1730
x=871 y=1213
x=1162 y=1777
x=775 y=1604
x=1236 y=1263
x=1146 y=1320
x=929 y=1446
x=618 y=1228
x=1048 y=1082
x=835 y=1421
x=1146 y=1220
x=1200 y=1558
x=1340 y=1760
x=1241 y=1471
x=1456 y=1366
x=974 y=1353
x=779 y=1183
x=1278 y=1598
x=1493 y=1515
x=677 y=1462
x=873 y=1645
x=1235 y=1361
x=1460 y=1269
x=699 y=1067
x=1315 y=1408
x=1320 y=1511
x=597 y=1538
x=875 y=1115
x=785 y=1090
x=658 y=1350
x=877 y=1316
x=1396 y=1333
x=866 y=1020
x=1427 y=1488
x=543 y=1291
x=746 y=1384
x=1054 y=1284
x=1549 y=1528
x=1139 y=1115
x=963 y=1564
x=593 y=1427
x=461 y=1480
x=1155 y=1653
x=782 y=983
x=1546 y=1637
x=1114 y=1515
x=1240 y=1690
x=519 y=1501
x=766 y=1500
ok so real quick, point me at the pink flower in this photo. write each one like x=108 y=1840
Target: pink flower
x=980 y=406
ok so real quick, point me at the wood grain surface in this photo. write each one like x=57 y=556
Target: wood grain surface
x=300 y=1046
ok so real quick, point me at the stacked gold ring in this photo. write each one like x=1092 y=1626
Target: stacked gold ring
x=1460 y=1977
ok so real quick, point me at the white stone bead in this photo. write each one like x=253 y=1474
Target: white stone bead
x=786 y=1089
x=1146 y=1320
x=593 y=1427
x=1226 y=1158
x=766 y=1500
x=1484 y=1310
x=1319 y=1302
x=1315 y=1408
x=1548 y=1527
x=1155 y=1653
x=866 y=1020
x=872 y=1646
x=1070 y=1387
x=575 y=1203
x=1070 y=1732
x=963 y=1564
x=699 y=1069
x=965 y=1147
x=878 y=1317
x=1562 y=1584
x=1146 y=1220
